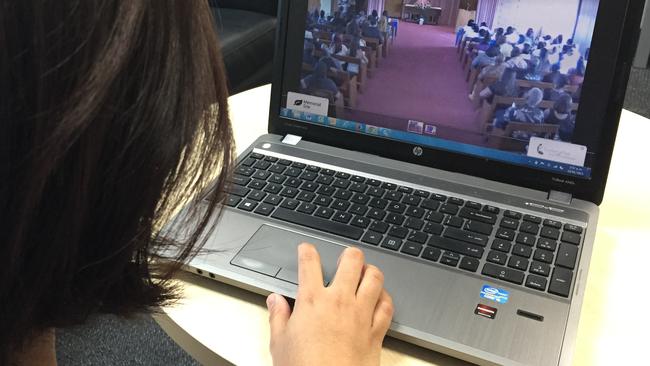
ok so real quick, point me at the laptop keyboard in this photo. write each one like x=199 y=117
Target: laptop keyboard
x=525 y=250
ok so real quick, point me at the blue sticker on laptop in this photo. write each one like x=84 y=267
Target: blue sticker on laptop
x=495 y=294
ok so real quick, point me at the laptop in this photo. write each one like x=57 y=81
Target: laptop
x=481 y=212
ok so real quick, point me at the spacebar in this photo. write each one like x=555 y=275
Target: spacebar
x=317 y=223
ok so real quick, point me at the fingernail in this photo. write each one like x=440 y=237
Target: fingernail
x=270 y=301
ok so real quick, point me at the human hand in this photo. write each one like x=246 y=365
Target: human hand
x=342 y=324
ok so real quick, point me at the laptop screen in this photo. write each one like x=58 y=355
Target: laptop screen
x=503 y=82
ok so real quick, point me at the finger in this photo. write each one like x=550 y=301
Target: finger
x=349 y=270
x=370 y=288
x=279 y=313
x=310 y=272
x=383 y=315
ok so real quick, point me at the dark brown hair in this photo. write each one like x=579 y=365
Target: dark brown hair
x=112 y=114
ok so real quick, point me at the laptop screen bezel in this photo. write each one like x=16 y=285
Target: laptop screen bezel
x=617 y=28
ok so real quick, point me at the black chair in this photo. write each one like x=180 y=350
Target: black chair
x=247 y=32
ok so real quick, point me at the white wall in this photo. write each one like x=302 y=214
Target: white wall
x=552 y=16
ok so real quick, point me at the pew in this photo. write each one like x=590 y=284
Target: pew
x=486 y=115
x=346 y=83
x=502 y=140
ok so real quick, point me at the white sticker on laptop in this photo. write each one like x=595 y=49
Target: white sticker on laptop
x=558 y=151
x=307 y=103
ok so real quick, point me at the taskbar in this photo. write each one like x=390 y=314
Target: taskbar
x=438 y=143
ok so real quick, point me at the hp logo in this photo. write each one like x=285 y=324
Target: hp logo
x=417 y=151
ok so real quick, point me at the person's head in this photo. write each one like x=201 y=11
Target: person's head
x=541 y=45
x=493 y=51
x=526 y=48
x=563 y=104
x=566 y=49
x=530 y=33
x=322 y=13
x=543 y=54
x=510 y=30
x=559 y=39
x=372 y=21
x=374 y=14
x=555 y=68
x=385 y=13
x=499 y=31
x=113 y=113
x=515 y=52
x=521 y=39
x=559 y=81
x=483 y=24
x=533 y=97
x=320 y=72
x=471 y=22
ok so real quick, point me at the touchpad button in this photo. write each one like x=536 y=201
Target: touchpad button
x=274 y=252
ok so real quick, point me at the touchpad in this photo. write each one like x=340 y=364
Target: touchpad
x=274 y=252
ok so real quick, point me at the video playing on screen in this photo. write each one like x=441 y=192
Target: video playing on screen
x=496 y=77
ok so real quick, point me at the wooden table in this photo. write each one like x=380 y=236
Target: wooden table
x=215 y=318
x=412 y=13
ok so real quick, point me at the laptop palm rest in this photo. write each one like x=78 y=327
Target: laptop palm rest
x=274 y=252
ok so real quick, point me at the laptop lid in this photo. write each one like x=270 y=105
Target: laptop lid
x=545 y=116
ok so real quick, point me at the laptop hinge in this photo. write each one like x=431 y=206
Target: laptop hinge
x=560 y=197
x=291 y=139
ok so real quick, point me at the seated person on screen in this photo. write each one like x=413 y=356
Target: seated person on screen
x=489 y=72
x=561 y=114
x=319 y=81
x=517 y=60
x=512 y=36
x=505 y=47
x=356 y=52
x=486 y=58
x=505 y=87
x=528 y=113
x=559 y=83
x=370 y=29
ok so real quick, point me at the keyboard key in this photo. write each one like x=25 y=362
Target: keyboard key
x=257 y=195
x=341 y=183
x=358 y=187
x=284 y=162
x=290 y=204
x=394 y=196
x=436 y=217
x=313 y=168
x=324 y=212
x=376 y=192
x=236 y=190
x=360 y=221
x=264 y=209
x=547 y=244
x=342 y=175
x=501 y=245
x=549 y=232
x=462 y=235
x=506 y=274
x=505 y=234
x=431 y=254
x=450 y=259
x=491 y=209
x=247 y=205
x=479 y=227
x=456 y=246
x=413 y=223
x=357 y=178
x=389 y=186
x=318 y=223
x=293 y=182
x=536 y=282
x=566 y=256
x=421 y=193
x=376 y=214
x=341 y=205
x=540 y=268
x=261 y=164
x=497 y=257
x=273 y=199
x=306 y=208
x=329 y=172
x=299 y=165
x=380 y=227
x=343 y=194
x=533 y=219
x=394 y=218
x=456 y=201
x=529 y=227
x=418 y=237
x=526 y=239
x=561 y=282
x=309 y=186
x=411 y=200
x=406 y=190
x=416 y=212
x=273 y=188
x=411 y=248
x=569 y=237
x=256 y=156
x=473 y=205
x=512 y=214
x=372 y=238
x=449 y=208
x=391 y=243
x=233 y=201
x=239 y=180
x=430 y=204
x=277 y=178
x=373 y=182
x=361 y=199
x=485 y=217
x=262 y=174
x=341 y=216
x=379 y=203
x=358 y=209
x=469 y=264
x=518 y=262
x=543 y=256
x=293 y=172
x=573 y=228
x=398 y=232
x=323 y=201
x=454 y=221
x=306 y=196
x=272 y=159
x=249 y=162
x=438 y=197
x=522 y=250
x=553 y=223
x=509 y=223
x=324 y=179
x=433 y=228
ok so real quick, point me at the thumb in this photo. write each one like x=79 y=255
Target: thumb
x=279 y=313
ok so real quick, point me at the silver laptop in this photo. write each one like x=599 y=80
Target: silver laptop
x=481 y=213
